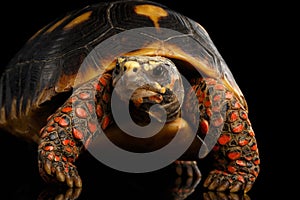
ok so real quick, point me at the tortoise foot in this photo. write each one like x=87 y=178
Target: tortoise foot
x=213 y=195
x=59 y=172
x=188 y=168
x=184 y=187
x=189 y=178
x=223 y=181
x=60 y=193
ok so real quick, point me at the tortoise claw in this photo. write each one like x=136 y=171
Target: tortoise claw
x=59 y=171
x=222 y=181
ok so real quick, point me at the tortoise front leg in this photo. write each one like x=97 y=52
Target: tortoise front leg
x=235 y=154
x=70 y=128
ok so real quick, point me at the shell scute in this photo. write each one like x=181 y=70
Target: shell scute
x=76 y=47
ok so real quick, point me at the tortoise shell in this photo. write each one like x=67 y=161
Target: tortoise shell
x=78 y=46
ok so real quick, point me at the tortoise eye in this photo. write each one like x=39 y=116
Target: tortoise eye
x=117 y=68
x=158 y=71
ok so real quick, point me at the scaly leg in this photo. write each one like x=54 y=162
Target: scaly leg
x=236 y=157
x=72 y=127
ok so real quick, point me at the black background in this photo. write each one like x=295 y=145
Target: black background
x=248 y=36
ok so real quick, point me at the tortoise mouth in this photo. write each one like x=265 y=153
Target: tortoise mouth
x=145 y=97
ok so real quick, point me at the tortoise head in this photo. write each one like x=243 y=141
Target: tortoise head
x=147 y=80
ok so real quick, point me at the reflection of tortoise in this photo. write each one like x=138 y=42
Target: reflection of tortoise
x=68 y=70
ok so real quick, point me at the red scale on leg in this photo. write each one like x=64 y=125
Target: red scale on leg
x=81 y=112
x=51 y=128
x=234 y=155
x=224 y=139
x=77 y=134
x=64 y=135
x=218 y=122
x=99 y=111
x=64 y=121
x=66 y=109
x=204 y=126
x=236 y=165
x=84 y=95
x=106 y=121
x=92 y=126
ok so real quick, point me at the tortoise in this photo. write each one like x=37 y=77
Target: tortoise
x=57 y=92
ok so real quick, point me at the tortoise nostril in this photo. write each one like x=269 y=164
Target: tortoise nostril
x=134 y=69
x=125 y=68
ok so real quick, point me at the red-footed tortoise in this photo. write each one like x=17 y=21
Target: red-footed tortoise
x=57 y=90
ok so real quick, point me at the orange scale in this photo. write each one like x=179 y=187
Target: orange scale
x=97 y=87
x=105 y=122
x=207 y=103
x=219 y=87
x=103 y=81
x=224 y=139
x=65 y=142
x=63 y=122
x=56 y=119
x=241 y=179
x=56 y=158
x=48 y=148
x=228 y=95
x=72 y=99
x=218 y=122
x=64 y=158
x=77 y=134
x=92 y=127
x=99 y=111
x=243 y=142
x=231 y=169
x=84 y=95
x=68 y=149
x=66 y=109
x=204 y=126
x=80 y=112
x=50 y=128
x=234 y=155
x=241 y=163
x=50 y=156
x=254 y=147
x=238 y=128
x=256 y=162
x=234 y=116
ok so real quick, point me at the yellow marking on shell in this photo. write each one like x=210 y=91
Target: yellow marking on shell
x=2 y=115
x=13 y=109
x=151 y=11
x=37 y=33
x=54 y=26
x=78 y=20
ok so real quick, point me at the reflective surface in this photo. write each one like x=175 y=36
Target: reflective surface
x=22 y=181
